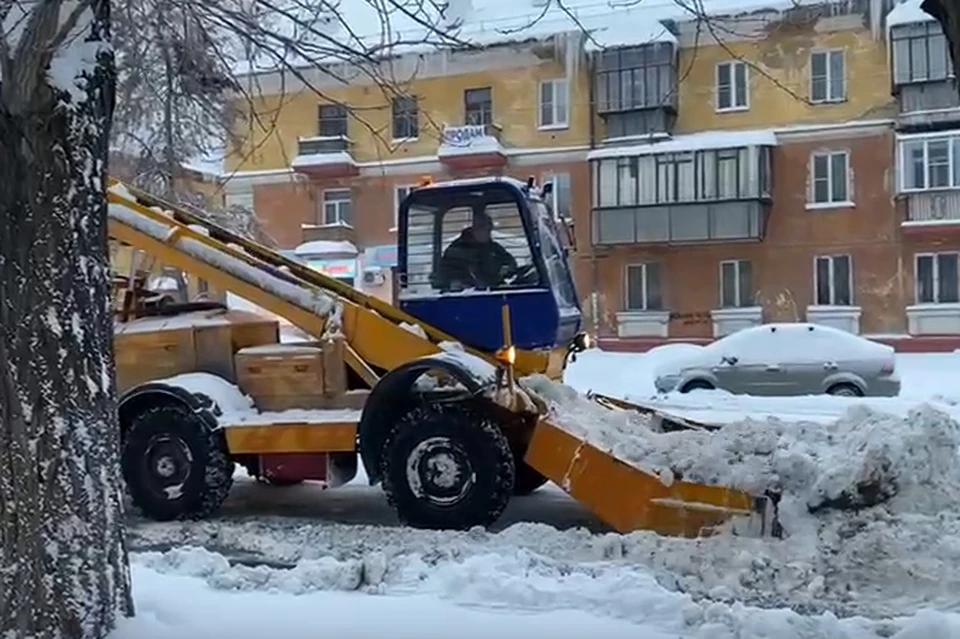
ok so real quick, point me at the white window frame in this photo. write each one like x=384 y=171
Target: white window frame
x=645 y=307
x=734 y=106
x=833 y=289
x=953 y=142
x=558 y=86
x=336 y=207
x=936 y=275
x=831 y=202
x=828 y=53
x=396 y=202
x=738 y=294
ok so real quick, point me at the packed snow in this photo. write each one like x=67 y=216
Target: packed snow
x=883 y=571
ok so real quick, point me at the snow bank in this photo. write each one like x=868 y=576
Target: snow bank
x=858 y=460
x=511 y=582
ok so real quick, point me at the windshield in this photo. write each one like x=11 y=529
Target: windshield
x=554 y=257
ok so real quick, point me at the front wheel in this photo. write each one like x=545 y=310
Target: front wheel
x=174 y=465
x=697 y=384
x=844 y=390
x=447 y=466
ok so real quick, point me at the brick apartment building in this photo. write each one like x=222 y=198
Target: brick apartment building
x=800 y=169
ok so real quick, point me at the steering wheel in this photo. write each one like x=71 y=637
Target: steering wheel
x=520 y=275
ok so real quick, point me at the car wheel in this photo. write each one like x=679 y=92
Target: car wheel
x=844 y=390
x=697 y=384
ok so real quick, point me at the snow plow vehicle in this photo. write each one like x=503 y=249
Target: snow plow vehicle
x=427 y=392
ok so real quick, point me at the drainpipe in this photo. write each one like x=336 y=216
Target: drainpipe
x=594 y=270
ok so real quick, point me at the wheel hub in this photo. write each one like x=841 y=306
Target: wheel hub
x=166 y=467
x=439 y=471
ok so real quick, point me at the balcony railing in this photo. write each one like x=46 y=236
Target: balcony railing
x=929 y=208
x=681 y=223
x=928 y=103
x=470 y=139
x=323 y=144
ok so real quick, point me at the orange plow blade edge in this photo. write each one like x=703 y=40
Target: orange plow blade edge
x=627 y=498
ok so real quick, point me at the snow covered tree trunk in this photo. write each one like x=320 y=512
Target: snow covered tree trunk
x=63 y=563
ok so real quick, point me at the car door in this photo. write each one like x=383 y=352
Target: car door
x=747 y=365
x=814 y=354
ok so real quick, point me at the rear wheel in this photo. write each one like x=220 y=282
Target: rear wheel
x=697 y=384
x=447 y=466
x=174 y=465
x=844 y=390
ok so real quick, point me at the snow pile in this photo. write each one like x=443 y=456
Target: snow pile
x=861 y=459
x=520 y=581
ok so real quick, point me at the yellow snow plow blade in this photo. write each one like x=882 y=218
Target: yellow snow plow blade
x=629 y=499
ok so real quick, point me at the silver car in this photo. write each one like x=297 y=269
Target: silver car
x=785 y=359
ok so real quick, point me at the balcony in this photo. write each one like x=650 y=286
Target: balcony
x=705 y=187
x=325 y=157
x=930 y=212
x=681 y=223
x=471 y=146
x=925 y=85
x=636 y=89
x=928 y=105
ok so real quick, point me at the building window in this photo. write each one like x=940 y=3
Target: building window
x=833 y=279
x=702 y=176
x=828 y=77
x=930 y=163
x=554 y=101
x=478 y=106
x=736 y=284
x=732 y=86
x=336 y=207
x=632 y=78
x=830 y=178
x=936 y=279
x=332 y=120
x=560 y=194
x=405 y=116
x=920 y=53
x=643 y=287
x=399 y=194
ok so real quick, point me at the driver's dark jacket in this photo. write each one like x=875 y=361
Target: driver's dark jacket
x=468 y=263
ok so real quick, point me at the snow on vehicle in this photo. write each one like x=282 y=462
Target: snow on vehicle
x=785 y=359
x=429 y=393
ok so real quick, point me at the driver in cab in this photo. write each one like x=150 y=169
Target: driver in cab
x=474 y=260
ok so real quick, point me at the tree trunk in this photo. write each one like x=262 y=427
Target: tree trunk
x=63 y=563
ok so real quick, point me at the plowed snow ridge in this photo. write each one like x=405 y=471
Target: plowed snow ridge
x=895 y=559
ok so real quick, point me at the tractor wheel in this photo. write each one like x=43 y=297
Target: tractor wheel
x=174 y=466
x=447 y=466
x=527 y=480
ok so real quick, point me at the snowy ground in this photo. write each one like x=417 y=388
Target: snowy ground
x=294 y=561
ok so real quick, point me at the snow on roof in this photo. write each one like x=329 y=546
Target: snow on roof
x=321 y=159
x=209 y=164
x=907 y=12
x=692 y=142
x=326 y=247
x=373 y=29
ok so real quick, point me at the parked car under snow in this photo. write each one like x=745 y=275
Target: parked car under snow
x=785 y=359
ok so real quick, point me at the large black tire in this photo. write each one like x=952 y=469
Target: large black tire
x=447 y=437
x=174 y=465
x=526 y=480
